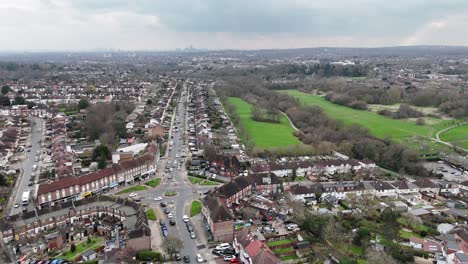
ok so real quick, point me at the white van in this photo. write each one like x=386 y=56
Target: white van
x=223 y=246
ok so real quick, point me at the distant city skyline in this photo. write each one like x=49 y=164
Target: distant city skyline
x=84 y=25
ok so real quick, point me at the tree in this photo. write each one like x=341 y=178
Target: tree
x=83 y=104
x=209 y=152
x=90 y=89
x=72 y=248
x=4 y=100
x=173 y=244
x=30 y=104
x=5 y=89
x=19 y=100
x=149 y=102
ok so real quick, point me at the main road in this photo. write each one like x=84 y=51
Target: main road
x=26 y=167
x=176 y=180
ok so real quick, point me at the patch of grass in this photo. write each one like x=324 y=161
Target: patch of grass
x=290 y=257
x=194 y=180
x=154 y=183
x=133 y=189
x=264 y=134
x=407 y=235
x=96 y=242
x=283 y=250
x=279 y=242
x=151 y=214
x=196 y=208
x=171 y=193
x=357 y=250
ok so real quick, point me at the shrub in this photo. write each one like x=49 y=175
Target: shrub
x=148 y=255
x=72 y=248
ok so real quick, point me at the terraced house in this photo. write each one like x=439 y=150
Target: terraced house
x=76 y=188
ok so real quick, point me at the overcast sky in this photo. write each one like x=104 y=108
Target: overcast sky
x=221 y=24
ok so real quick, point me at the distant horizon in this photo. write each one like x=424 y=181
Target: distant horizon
x=225 y=49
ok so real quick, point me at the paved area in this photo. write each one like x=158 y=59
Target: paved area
x=180 y=204
x=26 y=167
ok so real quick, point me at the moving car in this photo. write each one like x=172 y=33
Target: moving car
x=132 y=195
x=199 y=258
x=159 y=198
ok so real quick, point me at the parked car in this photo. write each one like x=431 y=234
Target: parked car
x=161 y=222
x=229 y=257
x=133 y=194
x=229 y=251
x=199 y=258
x=172 y=222
x=190 y=228
x=192 y=235
x=186 y=218
x=217 y=252
x=163 y=204
x=186 y=259
x=167 y=210
x=177 y=256
x=169 y=216
x=223 y=246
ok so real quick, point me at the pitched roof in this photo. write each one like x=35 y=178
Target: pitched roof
x=258 y=179
x=233 y=187
x=425 y=183
x=218 y=210
x=404 y=185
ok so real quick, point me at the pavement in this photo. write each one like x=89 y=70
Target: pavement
x=26 y=167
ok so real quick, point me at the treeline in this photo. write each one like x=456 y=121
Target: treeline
x=324 y=69
x=319 y=131
x=404 y=111
x=346 y=100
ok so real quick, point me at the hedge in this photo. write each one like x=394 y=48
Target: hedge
x=148 y=255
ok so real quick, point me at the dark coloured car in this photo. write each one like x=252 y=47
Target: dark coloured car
x=217 y=252
x=190 y=228
x=186 y=259
x=177 y=256
x=167 y=210
x=163 y=204
x=161 y=222
x=172 y=222
x=229 y=251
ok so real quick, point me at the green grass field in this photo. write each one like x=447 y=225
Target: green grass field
x=404 y=131
x=195 y=180
x=457 y=136
x=263 y=134
x=196 y=208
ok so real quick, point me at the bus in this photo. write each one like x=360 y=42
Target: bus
x=25 y=198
